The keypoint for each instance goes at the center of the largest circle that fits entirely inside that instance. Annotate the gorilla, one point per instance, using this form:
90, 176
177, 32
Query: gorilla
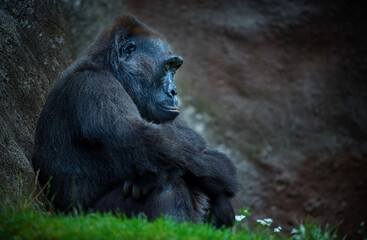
110, 137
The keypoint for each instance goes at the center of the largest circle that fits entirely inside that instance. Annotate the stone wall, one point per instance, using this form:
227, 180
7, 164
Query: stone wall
33, 52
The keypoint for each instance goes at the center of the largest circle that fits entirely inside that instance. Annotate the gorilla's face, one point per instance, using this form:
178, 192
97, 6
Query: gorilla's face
148, 68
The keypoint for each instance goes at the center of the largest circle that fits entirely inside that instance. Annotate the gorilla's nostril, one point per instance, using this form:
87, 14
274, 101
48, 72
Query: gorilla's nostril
173, 92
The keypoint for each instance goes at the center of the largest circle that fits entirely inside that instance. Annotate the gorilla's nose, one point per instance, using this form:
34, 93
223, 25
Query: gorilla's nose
172, 91
174, 62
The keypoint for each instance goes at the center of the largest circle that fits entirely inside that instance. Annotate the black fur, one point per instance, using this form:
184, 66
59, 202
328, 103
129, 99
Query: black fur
103, 124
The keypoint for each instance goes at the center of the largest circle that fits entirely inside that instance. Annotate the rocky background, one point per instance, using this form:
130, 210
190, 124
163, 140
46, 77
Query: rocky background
33, 52
277, 85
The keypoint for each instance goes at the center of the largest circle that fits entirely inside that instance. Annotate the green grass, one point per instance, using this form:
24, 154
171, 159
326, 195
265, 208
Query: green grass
28, 223
31, 224
311, 230
28, 218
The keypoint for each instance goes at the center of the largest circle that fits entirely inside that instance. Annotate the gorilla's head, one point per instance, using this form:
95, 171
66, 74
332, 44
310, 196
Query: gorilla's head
143, 62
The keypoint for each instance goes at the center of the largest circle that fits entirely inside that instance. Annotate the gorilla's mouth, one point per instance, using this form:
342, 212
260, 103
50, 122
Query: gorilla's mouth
171, 109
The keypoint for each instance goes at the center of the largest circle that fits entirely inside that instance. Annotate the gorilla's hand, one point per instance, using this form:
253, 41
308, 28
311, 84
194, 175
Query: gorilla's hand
136, 191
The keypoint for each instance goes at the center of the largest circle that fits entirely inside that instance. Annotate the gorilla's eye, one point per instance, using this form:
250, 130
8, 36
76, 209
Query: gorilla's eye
174, 70
129, 48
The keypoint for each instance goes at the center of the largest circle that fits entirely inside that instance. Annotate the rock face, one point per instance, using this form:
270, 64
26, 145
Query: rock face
34, 51
281, 87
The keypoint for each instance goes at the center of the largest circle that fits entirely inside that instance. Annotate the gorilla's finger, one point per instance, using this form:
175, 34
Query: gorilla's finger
127, 188
136, 192
146, 190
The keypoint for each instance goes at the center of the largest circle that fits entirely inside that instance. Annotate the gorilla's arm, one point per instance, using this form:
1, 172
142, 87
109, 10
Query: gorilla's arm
219, 183
142, 152
220, 175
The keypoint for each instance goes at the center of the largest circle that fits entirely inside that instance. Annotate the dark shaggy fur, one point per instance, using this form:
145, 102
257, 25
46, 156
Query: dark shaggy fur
101, 126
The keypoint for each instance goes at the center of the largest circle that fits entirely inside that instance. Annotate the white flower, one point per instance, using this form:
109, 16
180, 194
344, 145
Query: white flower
239, 218
294, 231
277, 229
266, 222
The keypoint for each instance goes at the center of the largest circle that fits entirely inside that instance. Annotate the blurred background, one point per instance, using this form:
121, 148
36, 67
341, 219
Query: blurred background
279, 86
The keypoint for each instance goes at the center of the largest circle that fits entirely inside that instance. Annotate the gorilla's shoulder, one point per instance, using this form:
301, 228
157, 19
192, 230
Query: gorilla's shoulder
84, 72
